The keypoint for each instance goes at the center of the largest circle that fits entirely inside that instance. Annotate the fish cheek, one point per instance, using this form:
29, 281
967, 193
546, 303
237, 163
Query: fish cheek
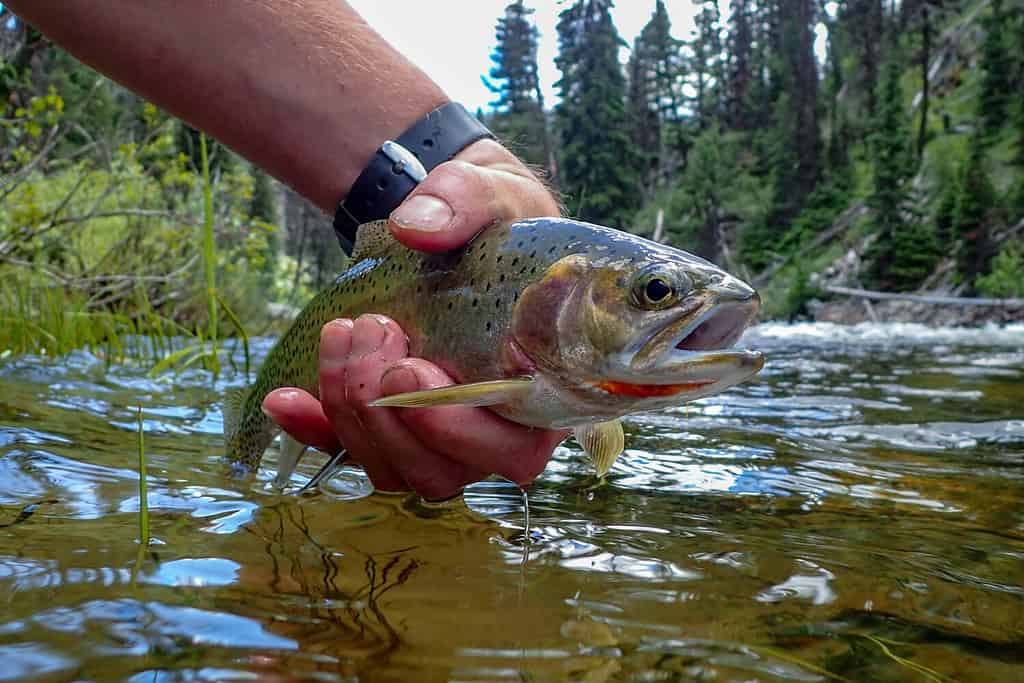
543, 308
608, 321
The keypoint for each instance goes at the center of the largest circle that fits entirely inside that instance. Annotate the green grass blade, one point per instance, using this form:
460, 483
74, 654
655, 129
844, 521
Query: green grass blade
237, 324
208, 251
143, 492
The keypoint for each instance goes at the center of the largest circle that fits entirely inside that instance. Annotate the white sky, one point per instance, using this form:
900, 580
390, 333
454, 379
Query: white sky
452, 40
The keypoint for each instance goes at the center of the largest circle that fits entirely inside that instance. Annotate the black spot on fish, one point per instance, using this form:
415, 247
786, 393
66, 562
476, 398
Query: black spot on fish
498, 260
488, 325
474, 302
497, 303
515, 261
450, 304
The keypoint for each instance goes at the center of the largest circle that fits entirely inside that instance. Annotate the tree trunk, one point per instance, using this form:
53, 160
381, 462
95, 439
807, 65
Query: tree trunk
926, 52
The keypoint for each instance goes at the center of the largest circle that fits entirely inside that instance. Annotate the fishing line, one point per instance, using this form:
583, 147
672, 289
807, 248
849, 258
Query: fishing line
329, 469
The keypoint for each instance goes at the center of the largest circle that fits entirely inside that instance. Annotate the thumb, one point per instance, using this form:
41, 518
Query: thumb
453, 203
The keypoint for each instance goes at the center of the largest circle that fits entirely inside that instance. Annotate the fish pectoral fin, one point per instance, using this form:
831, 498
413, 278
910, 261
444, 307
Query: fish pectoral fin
476, 394
291, 452
234, 400
603, 442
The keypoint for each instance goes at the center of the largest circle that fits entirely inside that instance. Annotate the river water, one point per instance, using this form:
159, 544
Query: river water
856, 513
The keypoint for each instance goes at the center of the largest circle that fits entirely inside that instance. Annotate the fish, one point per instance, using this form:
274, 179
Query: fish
549, 322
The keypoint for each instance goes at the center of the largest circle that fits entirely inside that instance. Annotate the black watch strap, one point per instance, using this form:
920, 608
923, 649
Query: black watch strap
398, 166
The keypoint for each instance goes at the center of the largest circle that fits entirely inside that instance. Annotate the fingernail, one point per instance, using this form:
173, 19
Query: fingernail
332, 349
423, 212
399, 378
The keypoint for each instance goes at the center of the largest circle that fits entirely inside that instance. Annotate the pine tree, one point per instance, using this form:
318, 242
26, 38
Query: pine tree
655, 99
707, 64
738, 83
797, 148
598, 165
904, 251
975, 216
518, 115
997, 70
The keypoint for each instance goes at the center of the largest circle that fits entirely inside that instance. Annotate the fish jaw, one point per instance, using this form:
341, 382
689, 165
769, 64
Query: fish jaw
690, 357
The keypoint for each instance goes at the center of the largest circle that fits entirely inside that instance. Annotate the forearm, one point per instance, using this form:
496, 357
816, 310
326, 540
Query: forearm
303, 88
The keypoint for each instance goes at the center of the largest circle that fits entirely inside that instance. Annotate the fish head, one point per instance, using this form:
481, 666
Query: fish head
643, 327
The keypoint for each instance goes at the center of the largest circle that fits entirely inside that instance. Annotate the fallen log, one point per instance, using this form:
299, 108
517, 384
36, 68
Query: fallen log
925, 298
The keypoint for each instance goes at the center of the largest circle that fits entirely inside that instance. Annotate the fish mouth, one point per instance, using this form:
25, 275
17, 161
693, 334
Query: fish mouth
716, 328
691, 356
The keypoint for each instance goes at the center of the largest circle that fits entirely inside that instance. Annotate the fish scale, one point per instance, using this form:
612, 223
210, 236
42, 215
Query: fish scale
460, 309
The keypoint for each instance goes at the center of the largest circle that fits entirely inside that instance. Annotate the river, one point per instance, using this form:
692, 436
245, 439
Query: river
855, 513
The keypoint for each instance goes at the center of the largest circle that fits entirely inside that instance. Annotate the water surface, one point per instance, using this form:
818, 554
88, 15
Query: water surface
856, 513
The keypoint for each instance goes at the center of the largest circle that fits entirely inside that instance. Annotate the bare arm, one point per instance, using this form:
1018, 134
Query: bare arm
302, 88
307, 90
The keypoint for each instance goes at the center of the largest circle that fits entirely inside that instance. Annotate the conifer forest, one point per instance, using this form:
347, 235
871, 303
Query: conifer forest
891, 161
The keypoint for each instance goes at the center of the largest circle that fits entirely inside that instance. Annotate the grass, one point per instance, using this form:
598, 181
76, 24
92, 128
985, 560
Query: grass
143, 491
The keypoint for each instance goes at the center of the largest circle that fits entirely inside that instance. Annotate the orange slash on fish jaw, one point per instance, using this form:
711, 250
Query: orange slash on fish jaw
650, 390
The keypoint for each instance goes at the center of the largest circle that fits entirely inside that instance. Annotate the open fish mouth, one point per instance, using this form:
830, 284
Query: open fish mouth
693, 353
717, 328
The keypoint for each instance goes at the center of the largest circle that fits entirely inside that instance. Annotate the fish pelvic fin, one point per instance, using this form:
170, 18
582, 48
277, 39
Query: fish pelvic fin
603, 442
476, 394
234, 403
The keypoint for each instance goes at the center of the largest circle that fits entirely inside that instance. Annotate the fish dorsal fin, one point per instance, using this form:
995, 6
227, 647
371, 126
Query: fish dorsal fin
476, 394
291, 453
603, 442
234, 401
372, 239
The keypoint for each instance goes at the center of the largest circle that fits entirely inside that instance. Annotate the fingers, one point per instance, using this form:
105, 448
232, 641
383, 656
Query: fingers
392, 456
483, 184
475, 437
349, 354
433, 451
300, 414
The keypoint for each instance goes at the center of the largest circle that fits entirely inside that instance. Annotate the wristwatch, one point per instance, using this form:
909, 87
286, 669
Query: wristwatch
399, 165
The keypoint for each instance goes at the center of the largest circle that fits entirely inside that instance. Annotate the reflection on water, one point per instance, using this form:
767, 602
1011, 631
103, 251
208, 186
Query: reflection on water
855, 514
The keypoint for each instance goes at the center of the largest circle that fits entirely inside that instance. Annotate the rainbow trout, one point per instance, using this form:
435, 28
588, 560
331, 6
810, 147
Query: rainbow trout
549, 322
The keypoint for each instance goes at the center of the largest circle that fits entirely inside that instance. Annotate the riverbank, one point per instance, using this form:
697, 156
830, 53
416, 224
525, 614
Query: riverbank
855, 310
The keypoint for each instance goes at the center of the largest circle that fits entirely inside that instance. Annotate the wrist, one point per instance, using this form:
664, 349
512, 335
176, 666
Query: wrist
398, 165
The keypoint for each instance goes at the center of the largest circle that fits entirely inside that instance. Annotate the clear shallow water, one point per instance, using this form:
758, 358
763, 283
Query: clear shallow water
856, 513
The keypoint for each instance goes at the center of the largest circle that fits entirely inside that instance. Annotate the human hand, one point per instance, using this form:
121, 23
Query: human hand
433, 451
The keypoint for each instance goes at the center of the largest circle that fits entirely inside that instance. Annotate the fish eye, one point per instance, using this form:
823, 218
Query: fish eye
657, 288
